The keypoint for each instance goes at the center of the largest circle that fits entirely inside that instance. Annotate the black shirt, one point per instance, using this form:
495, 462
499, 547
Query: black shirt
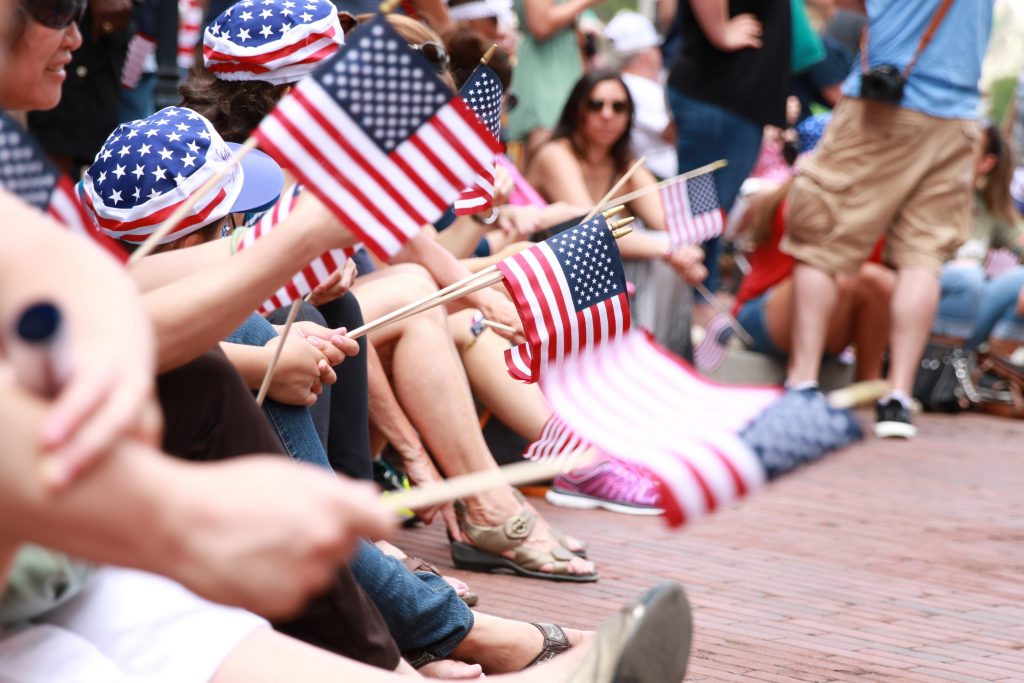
751, 83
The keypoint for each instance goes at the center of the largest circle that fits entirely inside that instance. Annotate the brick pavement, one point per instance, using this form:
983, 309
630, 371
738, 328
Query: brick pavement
887, 562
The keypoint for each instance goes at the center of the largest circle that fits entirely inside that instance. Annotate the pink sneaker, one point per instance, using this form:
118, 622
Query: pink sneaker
612, 485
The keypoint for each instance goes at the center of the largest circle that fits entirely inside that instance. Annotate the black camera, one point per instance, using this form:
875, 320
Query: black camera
883, 83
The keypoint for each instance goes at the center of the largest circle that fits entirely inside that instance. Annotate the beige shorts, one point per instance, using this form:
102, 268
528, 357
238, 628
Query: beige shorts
883, 170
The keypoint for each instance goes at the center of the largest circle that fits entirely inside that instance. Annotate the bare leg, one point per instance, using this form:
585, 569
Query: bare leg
873, 298
815, 296
435, 394
266, 656
914, 303
522, 407
503, 645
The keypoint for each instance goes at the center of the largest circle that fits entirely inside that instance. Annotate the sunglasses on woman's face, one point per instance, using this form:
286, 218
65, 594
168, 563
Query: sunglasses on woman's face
431, 51
55, 14
618, 106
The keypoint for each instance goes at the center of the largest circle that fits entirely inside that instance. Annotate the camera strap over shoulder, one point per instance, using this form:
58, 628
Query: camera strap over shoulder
926, 37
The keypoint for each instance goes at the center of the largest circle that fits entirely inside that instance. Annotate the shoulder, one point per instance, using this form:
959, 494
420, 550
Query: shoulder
555, 155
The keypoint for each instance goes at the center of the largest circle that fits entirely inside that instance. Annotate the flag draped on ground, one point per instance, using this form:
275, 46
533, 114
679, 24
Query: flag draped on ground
25, 172
707, 444
571, 295
379, 138
692, 211
482, 92
310, 277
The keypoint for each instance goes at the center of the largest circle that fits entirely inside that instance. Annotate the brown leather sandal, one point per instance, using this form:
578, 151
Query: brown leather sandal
485, 554
555, 643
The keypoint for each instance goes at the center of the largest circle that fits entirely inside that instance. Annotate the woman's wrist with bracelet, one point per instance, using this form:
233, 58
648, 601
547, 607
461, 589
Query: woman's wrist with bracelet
491, 219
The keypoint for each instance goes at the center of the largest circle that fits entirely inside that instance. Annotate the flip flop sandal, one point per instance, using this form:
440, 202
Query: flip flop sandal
418, 564
555, 643
648, 642
485, 555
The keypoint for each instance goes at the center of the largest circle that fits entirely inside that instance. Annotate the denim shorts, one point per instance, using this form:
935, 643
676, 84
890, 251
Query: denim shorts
753, 318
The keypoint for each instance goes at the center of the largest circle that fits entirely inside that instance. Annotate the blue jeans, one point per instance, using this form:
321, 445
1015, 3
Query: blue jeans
705, 133
752, 318
293, 424
423, 613
421, 610
974, 308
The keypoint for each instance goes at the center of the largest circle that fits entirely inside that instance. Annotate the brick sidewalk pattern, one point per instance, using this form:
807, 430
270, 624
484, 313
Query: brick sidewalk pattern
891, 561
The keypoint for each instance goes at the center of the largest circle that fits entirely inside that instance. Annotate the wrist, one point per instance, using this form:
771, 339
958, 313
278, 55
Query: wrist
489, 219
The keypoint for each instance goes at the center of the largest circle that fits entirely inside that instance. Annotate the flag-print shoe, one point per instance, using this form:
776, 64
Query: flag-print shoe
610, 485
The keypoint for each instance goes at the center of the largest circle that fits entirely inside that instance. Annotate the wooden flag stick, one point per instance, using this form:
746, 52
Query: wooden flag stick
858, 394
519, 473
151, 243
487, 55
498, 326
604, 201
269, 374
626, 198
714, 302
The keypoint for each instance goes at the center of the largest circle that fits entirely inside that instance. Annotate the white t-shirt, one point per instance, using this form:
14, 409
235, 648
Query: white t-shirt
649, 121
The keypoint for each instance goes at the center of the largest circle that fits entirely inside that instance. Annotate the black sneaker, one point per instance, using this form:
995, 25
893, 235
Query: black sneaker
893, 421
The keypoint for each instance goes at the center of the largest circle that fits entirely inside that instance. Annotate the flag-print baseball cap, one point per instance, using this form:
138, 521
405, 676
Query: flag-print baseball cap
147, 168
276, 41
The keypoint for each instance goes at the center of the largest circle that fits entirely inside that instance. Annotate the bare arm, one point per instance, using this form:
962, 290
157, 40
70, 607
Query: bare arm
557, 174
725, 33
232, 286
544, 18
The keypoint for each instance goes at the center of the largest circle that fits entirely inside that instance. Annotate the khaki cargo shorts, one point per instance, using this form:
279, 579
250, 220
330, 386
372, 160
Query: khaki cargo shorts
883, 170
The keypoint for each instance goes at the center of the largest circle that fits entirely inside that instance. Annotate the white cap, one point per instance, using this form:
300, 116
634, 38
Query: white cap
631, 32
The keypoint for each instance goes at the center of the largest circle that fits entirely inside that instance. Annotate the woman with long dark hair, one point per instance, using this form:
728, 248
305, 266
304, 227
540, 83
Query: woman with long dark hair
588, 152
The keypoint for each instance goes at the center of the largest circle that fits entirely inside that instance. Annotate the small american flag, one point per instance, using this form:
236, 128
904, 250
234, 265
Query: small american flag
379, 138
482, 93
310, 277
278, 41
998, 261
692, 212
571, 295
556, 441
637, 402
25, 172
190, 25
713, 349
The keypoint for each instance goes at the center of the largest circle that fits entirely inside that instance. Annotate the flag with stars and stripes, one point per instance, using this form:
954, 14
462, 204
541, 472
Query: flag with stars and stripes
26, 173
692, 212
570, 292
379, 138
556, 441
277, 41
147, 168
713, 349
483, 94
635, 401
310, 277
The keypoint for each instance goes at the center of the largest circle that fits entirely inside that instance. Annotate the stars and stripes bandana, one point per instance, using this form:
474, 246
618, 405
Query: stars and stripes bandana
379, 138
636, 402
26, 173
147, 168
276, 41
310, 277
692, 212
483, 94
570, 292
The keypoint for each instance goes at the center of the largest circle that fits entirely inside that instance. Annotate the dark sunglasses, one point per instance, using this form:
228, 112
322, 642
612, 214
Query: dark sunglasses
618, 106
431, 51
55, 14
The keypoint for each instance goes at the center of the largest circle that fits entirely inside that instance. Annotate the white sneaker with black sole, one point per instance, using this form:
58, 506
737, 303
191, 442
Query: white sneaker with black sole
893, 420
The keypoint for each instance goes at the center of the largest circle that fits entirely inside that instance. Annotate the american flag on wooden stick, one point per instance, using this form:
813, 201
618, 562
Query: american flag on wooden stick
482, 93
26, 172
556, 441
571, 295
637, 402
379, 138
692, 212
310, 277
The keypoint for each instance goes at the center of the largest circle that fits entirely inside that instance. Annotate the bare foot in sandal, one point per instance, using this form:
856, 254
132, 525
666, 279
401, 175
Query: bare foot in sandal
451, 670
504, 645
504, 534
